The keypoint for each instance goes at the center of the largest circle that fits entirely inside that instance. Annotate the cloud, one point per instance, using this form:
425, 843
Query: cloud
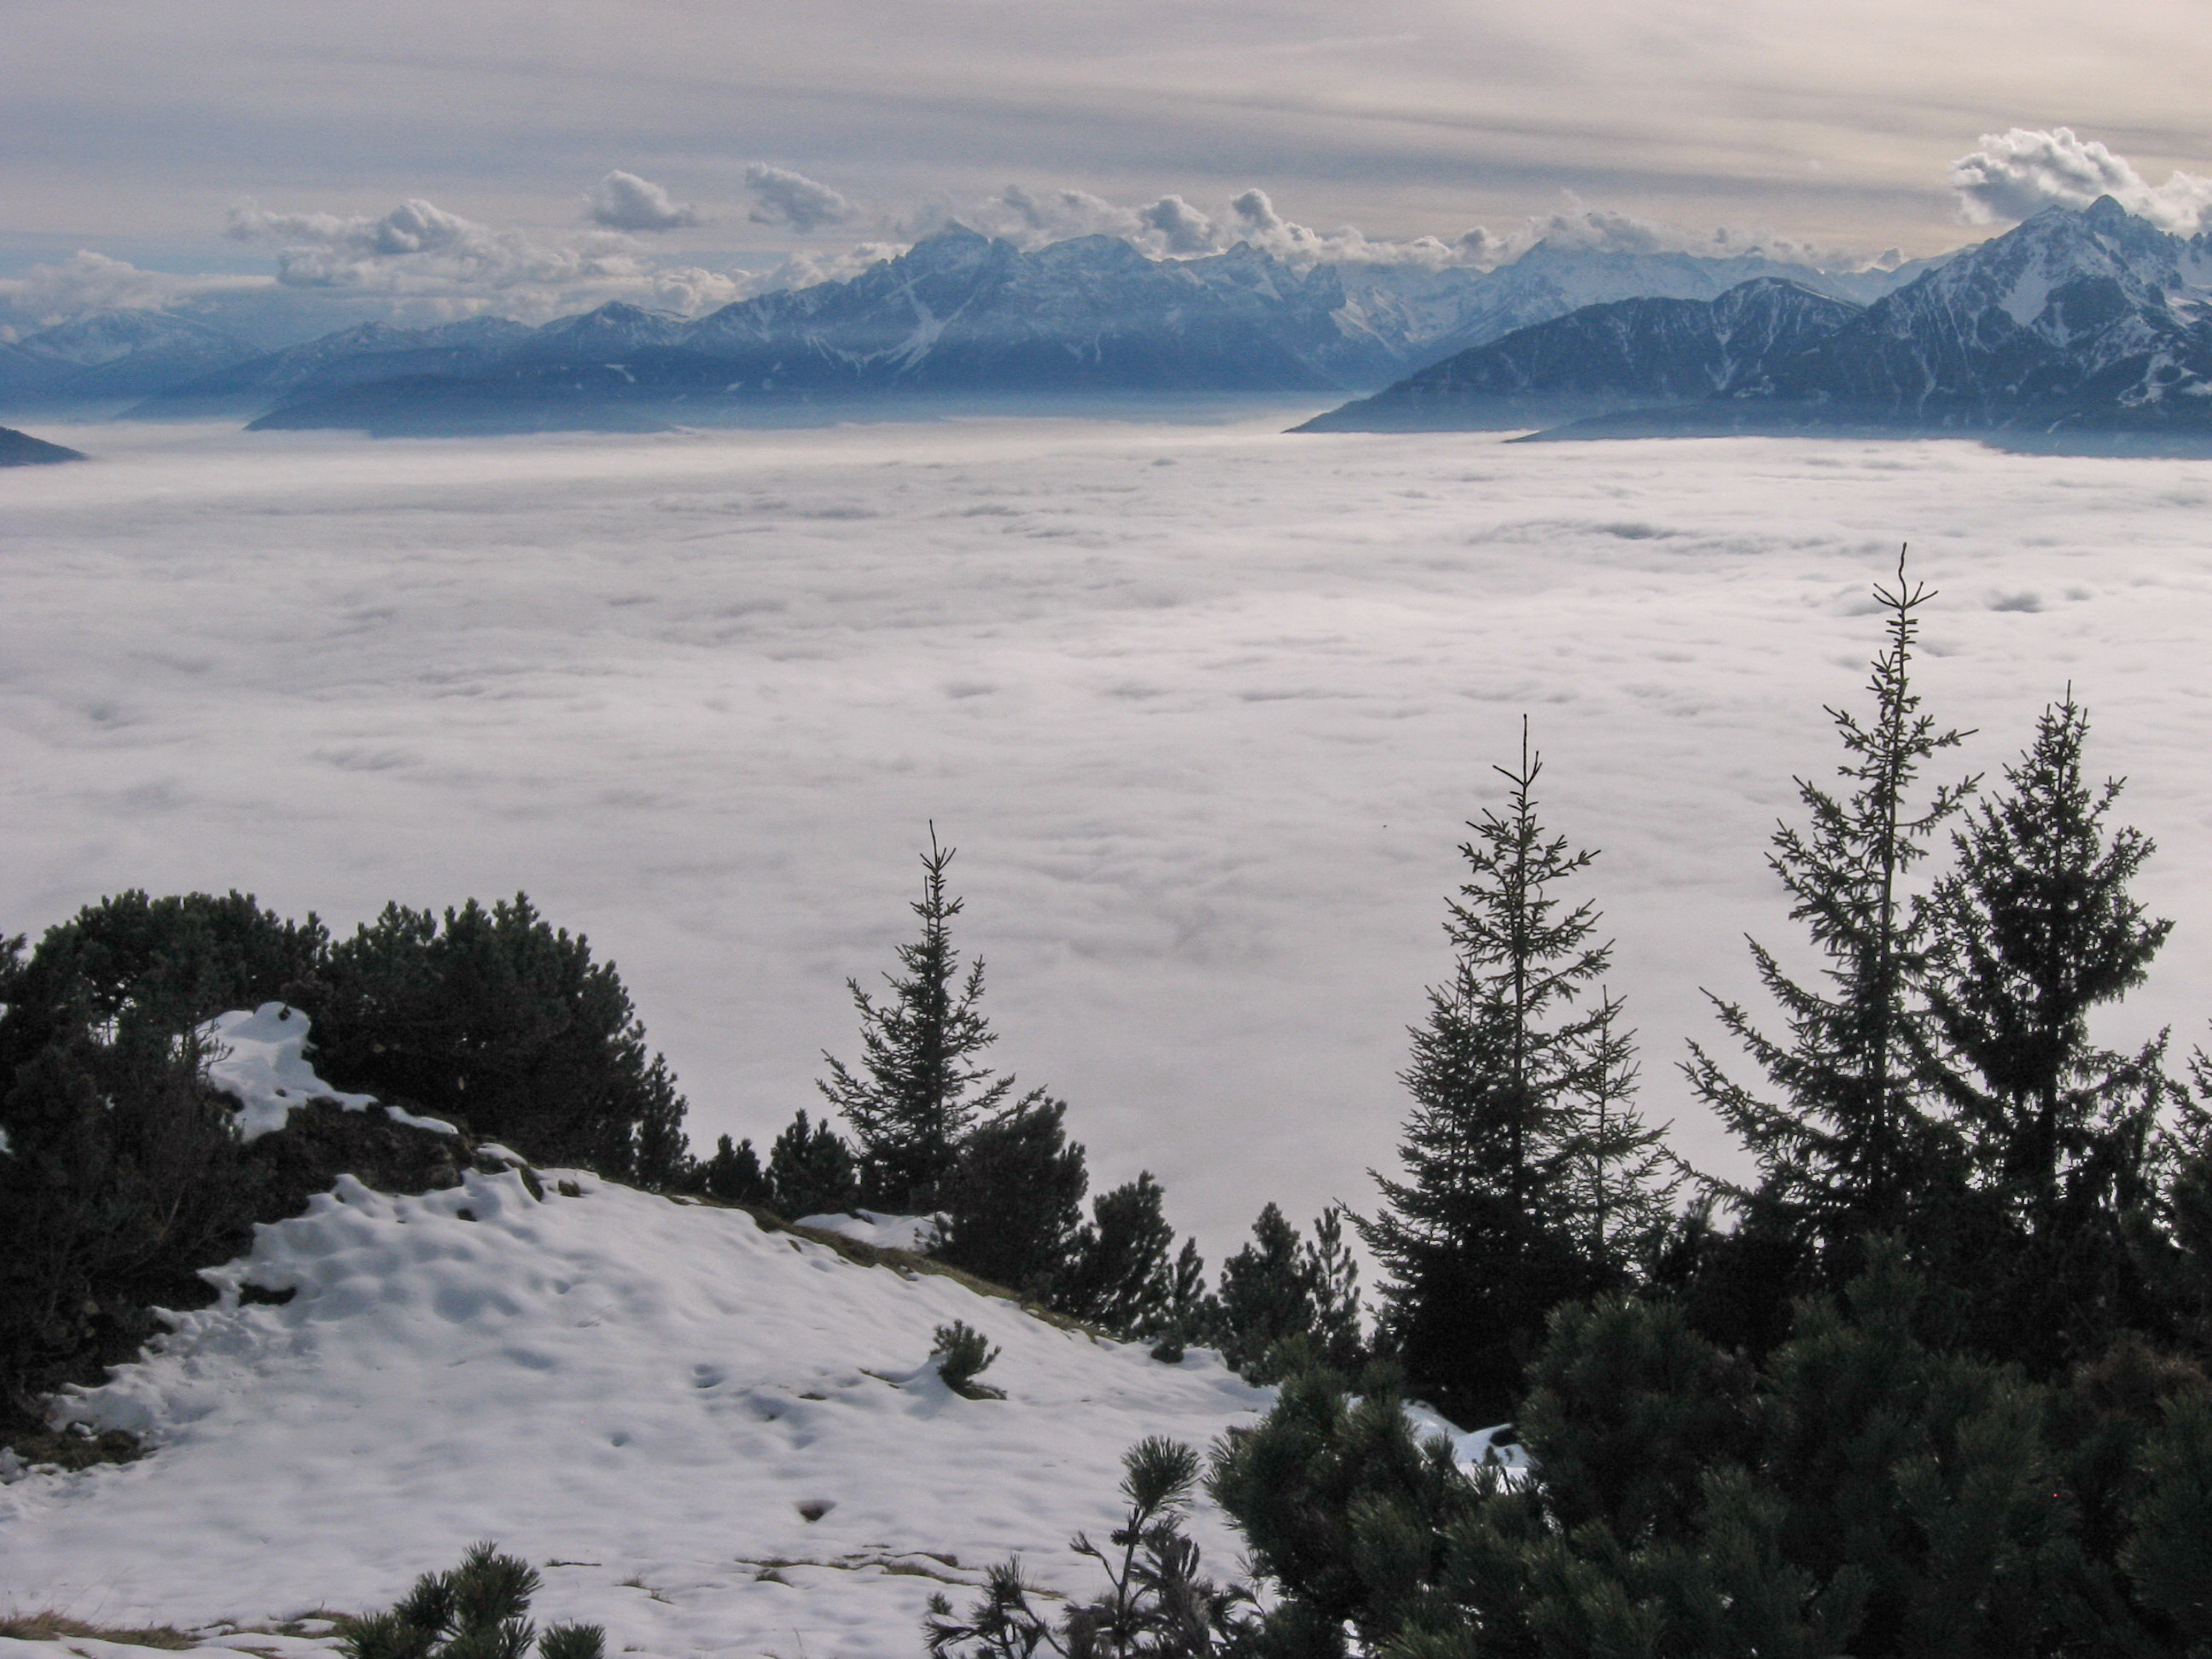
421, 251
1033, 217
1181, 228
622, 201
2018, 173
87, 282
794, 200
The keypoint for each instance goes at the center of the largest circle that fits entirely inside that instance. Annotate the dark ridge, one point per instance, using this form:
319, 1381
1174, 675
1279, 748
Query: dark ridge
21, 449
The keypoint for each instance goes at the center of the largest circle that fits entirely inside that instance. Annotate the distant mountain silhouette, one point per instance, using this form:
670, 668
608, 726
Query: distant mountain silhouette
1623, 356
21, 449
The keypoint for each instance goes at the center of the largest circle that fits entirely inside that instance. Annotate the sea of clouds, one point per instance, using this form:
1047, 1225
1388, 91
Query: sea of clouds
1203, 708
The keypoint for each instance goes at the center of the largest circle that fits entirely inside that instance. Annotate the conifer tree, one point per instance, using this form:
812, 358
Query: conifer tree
733, 1174
1849, 1148
1013, 1201
918, 1088
809, 1171
1279, 1287
1485, 1233
2032, 928
1123, 1276
1625, 1182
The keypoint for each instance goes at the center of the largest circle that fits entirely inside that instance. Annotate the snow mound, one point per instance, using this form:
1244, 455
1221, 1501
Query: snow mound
260, 1058
917, 1233
708, 1437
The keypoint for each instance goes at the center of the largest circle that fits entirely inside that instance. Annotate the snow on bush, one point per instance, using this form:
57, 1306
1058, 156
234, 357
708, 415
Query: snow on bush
260, 1059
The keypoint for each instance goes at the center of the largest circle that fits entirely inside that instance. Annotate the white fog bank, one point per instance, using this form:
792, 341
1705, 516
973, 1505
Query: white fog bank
1203, 708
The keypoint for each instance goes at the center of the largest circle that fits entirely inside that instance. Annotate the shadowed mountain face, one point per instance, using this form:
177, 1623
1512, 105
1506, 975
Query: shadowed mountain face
2092, 321
1623, 356
21, 449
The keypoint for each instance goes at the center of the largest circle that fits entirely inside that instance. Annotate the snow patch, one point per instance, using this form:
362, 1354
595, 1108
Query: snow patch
919, 1233
260, 1059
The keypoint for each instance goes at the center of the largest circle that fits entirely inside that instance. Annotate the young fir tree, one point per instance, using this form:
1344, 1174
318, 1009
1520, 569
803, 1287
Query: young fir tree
918, 1088
2032, 928
1624, 1181
1487, 1231
733, 1174
1850, 1149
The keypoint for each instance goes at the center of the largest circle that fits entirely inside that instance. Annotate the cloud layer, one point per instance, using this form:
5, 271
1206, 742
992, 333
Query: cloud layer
1203, 709
2016, 174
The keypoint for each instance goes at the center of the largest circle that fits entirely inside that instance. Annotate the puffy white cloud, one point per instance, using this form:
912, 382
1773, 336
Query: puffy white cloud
1181, 228
2017, 174
794, 200
622, 201
86, 283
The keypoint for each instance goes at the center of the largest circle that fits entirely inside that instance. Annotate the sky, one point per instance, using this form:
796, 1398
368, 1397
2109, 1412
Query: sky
681, 151
1205, 710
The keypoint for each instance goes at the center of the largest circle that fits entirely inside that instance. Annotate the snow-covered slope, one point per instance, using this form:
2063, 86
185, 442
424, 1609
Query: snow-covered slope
646, 1398
2091, 317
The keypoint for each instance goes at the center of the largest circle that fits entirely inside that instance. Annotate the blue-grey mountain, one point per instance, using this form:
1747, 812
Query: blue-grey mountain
2077, 327
1628, 355
21, 449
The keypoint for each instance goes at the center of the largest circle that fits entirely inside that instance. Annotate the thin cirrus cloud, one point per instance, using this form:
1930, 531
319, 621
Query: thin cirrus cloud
1830, 121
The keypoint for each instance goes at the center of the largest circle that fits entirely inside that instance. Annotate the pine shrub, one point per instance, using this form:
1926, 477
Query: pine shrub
963, 1353
495, 1019
475, 1611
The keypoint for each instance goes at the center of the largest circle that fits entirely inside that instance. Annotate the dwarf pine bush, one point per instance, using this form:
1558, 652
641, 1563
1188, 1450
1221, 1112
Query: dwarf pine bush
475, 1611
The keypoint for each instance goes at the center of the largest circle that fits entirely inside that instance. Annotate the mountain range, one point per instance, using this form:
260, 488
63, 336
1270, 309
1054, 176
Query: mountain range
958, 315
2077, 325
2075, 322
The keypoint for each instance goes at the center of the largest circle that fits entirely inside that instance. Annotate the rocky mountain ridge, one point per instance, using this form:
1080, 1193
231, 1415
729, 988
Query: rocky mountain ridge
2075, 323
958, 314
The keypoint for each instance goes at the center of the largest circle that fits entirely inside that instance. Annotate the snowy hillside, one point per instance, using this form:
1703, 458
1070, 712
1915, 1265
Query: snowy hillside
710, 1436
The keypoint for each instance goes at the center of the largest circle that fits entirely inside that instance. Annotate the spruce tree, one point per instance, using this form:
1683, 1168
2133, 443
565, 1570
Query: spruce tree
1850, 1148
1485, 1233
1624, 1181
917, 1088
2032, 928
